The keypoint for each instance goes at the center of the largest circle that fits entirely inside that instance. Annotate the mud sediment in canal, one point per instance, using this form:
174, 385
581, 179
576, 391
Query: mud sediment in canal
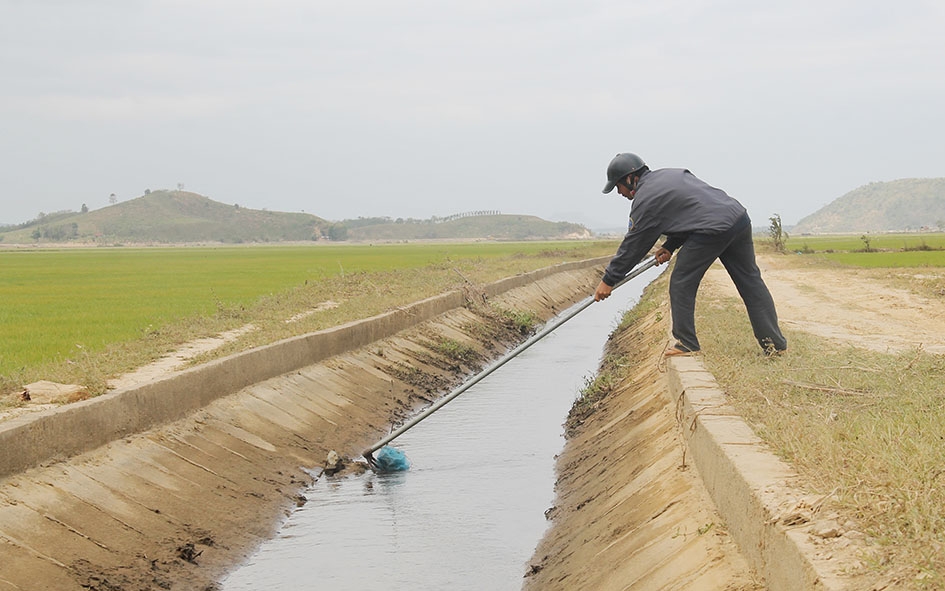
179, 505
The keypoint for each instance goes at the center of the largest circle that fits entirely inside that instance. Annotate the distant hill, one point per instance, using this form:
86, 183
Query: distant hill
495, 227
169, 217
179, 217
902, 205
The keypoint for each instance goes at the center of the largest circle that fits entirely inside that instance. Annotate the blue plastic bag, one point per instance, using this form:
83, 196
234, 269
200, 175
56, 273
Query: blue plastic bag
391, 459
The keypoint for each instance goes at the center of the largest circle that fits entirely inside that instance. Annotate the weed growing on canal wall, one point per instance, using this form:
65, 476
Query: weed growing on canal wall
595, 389
501, 326
614, 368
456, 351
521, 321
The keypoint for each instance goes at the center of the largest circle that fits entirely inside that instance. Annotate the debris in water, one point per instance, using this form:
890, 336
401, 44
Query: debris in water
333, 463
390, 459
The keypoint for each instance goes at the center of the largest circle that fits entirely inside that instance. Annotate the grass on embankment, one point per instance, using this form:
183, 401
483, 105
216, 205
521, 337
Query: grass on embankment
863, 427
83, 316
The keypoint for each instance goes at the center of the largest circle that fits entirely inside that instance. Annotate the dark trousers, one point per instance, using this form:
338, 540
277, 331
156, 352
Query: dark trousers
735, 249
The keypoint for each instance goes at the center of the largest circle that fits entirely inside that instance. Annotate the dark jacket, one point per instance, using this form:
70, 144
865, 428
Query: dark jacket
671, 201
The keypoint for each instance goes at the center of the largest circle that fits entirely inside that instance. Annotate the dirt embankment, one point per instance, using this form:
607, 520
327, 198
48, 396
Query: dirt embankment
177, 506
631, 511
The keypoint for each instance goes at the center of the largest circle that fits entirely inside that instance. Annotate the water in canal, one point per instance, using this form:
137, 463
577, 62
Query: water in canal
470, 511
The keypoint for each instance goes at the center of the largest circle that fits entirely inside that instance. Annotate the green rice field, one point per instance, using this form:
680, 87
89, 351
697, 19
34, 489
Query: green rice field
59, 305
891, 260
885, 250
854, 242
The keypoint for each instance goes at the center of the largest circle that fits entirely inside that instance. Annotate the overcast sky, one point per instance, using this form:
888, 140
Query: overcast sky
415, 108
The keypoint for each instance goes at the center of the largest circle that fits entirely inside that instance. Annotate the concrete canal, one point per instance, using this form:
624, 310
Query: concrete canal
470, 512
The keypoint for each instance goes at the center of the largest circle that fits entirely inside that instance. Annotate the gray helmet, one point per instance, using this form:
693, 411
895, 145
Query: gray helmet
620, 167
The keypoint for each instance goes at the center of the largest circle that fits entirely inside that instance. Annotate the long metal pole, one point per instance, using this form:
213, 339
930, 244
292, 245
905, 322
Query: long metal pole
508, 356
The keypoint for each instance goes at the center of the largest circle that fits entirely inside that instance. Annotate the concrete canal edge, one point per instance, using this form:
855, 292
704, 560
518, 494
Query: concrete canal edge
756, 493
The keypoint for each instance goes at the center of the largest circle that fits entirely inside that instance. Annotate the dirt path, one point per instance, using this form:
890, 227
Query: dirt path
853, 307
177, 360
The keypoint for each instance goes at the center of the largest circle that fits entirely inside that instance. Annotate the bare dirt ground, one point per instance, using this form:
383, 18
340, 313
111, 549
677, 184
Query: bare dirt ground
861, 308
